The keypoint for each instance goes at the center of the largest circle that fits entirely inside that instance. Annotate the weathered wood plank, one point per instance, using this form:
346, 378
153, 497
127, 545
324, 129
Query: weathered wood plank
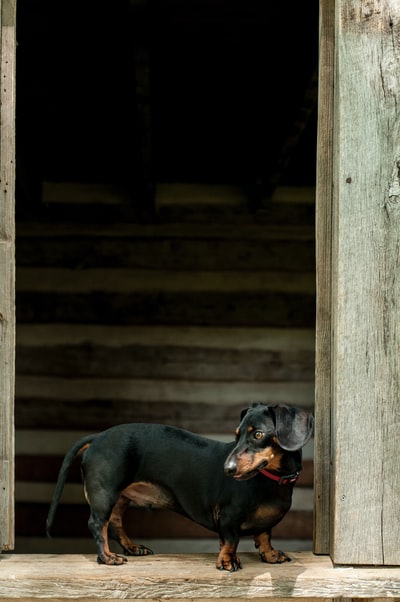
242, 338
366, 301
193, 577
7, 363
155, 252
170, 362
7, 269
251, 231
136, 281
147, 390
323, 280
166, 352
203, 194
169, 194
63, 209
265, 308
98, 413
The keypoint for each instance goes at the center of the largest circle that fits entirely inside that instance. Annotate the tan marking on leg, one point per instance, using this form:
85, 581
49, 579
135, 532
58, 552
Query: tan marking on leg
109, 557
266, 551
129, 546
227, 558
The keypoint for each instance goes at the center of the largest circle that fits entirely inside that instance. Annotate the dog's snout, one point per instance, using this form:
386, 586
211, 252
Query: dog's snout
230, 467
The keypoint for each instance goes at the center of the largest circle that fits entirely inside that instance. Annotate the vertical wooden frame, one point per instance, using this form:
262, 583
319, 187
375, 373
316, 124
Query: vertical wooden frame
7, 270
323, 285
364, 290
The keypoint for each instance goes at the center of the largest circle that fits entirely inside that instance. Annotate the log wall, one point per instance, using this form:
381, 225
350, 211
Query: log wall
183, 317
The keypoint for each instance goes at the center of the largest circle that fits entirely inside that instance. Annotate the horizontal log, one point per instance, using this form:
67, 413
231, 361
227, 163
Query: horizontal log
242, 338
168, 362
71, 520
156, 230
168, 194
288, 310
126, 281
42, 468
291, 206
168, 253
278, 214
273, 213
201, 194
183, 391
98, 414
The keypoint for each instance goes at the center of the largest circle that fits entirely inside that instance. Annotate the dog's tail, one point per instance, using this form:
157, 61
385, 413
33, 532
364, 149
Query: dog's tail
77, 449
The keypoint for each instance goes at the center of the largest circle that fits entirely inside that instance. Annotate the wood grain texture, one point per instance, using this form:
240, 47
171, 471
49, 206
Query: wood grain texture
191, 577
366, 294
265, 308
323, 279
7, 270
173, 248
169, 361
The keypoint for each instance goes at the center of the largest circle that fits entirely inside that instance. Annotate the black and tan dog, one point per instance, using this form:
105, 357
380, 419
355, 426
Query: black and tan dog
235, 489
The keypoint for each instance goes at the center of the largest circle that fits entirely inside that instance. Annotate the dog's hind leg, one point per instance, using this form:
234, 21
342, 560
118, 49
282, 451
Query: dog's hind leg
117, 532
98, 526
101, 505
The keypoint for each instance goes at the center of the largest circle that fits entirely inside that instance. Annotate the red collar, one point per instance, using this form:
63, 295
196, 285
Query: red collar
284, 480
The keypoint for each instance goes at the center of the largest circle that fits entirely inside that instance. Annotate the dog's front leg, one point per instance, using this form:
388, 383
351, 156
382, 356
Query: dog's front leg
228, 560
266, 551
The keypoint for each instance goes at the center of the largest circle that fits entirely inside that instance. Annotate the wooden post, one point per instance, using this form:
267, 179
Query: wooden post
365, 485
323, 283
7, 288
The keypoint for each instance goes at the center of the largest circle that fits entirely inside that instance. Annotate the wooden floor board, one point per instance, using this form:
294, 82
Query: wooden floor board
190, 577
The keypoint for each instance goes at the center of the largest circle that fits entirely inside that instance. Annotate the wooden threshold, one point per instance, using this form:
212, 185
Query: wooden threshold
188, 577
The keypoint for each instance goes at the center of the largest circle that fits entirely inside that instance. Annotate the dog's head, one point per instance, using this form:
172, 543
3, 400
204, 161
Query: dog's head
263, 436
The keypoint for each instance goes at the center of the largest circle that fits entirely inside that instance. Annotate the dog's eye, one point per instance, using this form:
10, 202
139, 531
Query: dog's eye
258, 435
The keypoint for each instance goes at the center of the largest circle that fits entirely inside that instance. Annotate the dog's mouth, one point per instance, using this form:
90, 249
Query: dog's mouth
245, 476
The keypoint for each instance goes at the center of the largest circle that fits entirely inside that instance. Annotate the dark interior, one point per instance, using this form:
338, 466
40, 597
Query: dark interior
146, 91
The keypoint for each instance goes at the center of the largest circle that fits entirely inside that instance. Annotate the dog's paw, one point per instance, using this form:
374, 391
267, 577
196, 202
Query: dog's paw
111, 559
138, 550
274, 557
228, 562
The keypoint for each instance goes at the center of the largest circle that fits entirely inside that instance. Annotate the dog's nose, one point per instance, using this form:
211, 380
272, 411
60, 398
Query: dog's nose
230, 467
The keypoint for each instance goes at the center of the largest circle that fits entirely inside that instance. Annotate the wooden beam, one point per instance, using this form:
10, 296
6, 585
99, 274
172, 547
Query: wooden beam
366, 285
190, 577
323, 280
7, 270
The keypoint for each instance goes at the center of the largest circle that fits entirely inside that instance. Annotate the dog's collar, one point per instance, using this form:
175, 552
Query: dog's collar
284, 480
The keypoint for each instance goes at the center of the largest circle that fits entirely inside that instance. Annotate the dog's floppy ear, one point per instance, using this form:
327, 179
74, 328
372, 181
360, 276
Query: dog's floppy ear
294, 427
253, 405
243, 413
